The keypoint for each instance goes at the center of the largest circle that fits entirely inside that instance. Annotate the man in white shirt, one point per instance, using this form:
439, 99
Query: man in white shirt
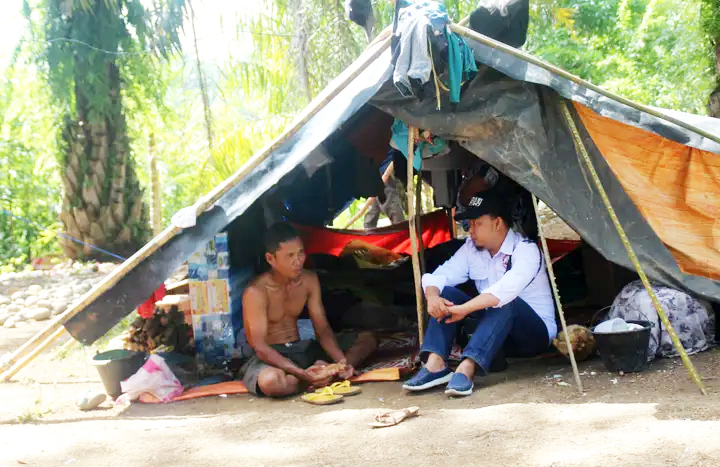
514, 309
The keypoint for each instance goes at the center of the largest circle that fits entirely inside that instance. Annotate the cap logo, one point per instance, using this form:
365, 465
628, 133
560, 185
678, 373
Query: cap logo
475, 202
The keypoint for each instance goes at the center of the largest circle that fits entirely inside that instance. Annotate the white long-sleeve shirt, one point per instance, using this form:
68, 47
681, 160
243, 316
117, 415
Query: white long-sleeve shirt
526, 278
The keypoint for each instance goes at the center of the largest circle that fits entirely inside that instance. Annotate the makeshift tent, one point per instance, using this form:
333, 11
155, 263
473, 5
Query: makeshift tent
661, 174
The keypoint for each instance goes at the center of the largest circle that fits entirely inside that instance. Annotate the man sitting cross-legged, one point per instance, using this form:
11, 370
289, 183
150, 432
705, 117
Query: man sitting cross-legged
514, 310
283, 364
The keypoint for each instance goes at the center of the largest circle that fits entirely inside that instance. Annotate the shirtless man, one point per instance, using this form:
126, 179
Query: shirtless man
283, 364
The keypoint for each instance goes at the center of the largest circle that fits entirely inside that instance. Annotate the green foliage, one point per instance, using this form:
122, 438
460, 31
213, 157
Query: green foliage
29, 182
283, 53
651, 51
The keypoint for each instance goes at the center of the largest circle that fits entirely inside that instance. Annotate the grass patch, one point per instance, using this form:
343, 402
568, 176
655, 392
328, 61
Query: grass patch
36, 411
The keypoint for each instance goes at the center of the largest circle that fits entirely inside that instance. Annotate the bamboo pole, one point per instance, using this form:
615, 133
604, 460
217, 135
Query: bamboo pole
556, 295
412, 220
418, 221
385, 177
333, 89
583, 154
20, 364
469, 33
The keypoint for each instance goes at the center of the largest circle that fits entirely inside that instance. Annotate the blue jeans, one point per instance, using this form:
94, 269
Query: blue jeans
514, 328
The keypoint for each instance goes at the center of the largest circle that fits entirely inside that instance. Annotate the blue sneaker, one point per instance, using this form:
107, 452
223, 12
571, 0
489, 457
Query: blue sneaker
459, 385
425, 379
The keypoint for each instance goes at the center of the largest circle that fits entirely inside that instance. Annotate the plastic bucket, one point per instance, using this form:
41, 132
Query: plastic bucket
625, 351
114, 366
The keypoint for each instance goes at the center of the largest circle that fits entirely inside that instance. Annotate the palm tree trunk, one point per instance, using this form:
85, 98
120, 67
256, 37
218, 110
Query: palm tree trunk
155, 192
102, 198
301, 39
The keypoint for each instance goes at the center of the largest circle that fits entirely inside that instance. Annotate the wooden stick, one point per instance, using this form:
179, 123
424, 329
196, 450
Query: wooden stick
32, 354
463, 31
418, 221
337, 86
583, 155
412, 220
370, 200
556, 295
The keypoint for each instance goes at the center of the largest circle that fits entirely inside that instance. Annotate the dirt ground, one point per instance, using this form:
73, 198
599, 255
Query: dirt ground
519, 417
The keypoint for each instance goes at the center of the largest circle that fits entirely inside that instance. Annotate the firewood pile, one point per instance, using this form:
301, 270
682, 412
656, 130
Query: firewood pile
165, 331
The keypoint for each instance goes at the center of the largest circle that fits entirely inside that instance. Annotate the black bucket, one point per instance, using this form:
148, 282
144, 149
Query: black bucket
625, 351
115, 366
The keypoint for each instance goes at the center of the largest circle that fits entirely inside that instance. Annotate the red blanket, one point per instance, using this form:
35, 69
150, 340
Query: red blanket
435, 230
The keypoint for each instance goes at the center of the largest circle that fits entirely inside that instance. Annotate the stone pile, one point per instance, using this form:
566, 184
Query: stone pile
30, 296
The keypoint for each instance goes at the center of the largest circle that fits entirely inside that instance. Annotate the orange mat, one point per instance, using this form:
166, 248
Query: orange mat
238, 387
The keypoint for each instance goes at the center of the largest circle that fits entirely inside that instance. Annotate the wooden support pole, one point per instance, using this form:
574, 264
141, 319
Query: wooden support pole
51, 330
556, 295
12, 371
584, 156
412, 221
418, 220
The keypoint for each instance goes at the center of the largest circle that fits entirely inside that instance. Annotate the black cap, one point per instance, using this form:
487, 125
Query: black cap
488, 202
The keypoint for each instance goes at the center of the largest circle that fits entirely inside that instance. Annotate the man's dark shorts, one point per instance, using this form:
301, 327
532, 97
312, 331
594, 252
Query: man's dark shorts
303, 353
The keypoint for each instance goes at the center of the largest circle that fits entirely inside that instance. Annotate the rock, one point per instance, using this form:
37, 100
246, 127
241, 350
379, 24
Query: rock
34, 289
64, 292
23, 314
31, 301
45, 304
59, 306
4, 318
18, 295
9, 323
5, 300
43, 295
20, 324
13, 308
39, 314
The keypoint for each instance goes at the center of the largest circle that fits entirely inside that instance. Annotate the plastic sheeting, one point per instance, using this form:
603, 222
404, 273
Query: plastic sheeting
508, 115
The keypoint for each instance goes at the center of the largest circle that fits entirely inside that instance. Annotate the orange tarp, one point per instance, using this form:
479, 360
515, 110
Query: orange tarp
238, 387
675, 187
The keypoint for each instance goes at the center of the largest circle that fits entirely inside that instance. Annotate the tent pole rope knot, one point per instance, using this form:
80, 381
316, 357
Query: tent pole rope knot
582, 151
556, 295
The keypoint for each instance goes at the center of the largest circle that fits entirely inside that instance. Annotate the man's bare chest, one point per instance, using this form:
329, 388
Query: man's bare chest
286, 303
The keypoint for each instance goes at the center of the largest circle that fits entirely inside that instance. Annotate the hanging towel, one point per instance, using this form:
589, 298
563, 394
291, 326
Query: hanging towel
461, 64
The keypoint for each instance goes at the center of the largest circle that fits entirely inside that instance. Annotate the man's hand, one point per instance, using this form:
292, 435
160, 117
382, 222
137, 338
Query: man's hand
318, 376
347, 373
438, 307
457, 313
